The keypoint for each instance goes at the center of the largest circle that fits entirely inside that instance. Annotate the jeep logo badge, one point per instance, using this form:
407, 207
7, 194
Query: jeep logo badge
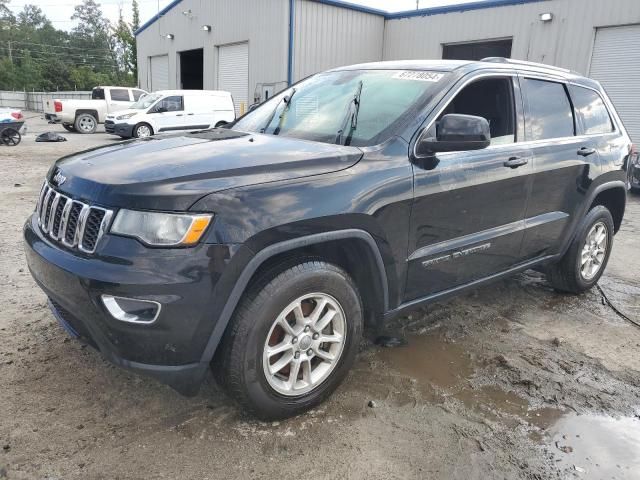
59, 178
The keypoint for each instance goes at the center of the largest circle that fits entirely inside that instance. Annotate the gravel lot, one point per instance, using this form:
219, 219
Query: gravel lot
509, 381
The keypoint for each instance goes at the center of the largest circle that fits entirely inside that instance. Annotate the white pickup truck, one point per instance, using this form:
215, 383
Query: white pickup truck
83, 116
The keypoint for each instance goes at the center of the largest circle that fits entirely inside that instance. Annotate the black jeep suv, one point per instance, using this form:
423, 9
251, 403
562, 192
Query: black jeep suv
355, 195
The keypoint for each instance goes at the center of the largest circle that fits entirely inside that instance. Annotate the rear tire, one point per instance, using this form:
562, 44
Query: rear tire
584, 263
311, 369
86, 123
68, 127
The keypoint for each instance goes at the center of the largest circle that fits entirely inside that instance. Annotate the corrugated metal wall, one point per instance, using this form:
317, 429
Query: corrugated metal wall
262, 23
328, 37
566, 41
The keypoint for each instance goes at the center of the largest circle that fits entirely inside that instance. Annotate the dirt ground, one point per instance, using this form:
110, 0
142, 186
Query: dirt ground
509, 381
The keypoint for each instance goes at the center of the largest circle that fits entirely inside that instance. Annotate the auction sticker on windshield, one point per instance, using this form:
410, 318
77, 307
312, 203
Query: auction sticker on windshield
422, 76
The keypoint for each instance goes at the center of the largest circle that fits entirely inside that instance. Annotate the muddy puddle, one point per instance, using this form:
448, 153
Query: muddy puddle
588, 446
444, 369
598, 446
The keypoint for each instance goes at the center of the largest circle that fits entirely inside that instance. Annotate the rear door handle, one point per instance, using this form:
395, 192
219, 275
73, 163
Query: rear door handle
515, 162
190, 114
179, 115
585, 151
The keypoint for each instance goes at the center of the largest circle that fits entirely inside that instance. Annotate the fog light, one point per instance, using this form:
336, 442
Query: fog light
131, 310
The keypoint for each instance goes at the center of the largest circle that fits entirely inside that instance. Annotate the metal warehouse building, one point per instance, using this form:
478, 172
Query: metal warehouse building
254, 48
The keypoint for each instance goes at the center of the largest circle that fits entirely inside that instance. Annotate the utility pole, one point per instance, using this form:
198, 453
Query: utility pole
10, 53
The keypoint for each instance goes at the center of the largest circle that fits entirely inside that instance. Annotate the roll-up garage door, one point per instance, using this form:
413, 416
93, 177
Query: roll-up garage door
616, 65
233, 73
159, 73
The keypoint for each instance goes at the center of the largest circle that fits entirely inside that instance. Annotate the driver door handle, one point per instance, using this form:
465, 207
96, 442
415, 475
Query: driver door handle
585, 151
515, 162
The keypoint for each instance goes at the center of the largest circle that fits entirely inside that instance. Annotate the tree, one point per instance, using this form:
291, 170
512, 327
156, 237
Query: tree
135, 25
36, 55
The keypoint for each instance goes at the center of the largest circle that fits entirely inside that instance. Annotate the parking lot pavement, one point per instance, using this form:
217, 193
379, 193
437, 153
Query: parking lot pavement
509, 381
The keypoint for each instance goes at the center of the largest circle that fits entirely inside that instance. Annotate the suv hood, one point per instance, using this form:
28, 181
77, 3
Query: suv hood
172, 173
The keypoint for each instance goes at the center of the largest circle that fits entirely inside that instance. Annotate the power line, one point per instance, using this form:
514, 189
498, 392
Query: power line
60, 46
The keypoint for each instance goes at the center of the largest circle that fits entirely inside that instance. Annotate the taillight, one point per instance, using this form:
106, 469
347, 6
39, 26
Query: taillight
17, 115
57, 105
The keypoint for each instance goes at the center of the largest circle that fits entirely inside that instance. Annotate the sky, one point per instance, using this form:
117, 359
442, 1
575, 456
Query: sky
60, 11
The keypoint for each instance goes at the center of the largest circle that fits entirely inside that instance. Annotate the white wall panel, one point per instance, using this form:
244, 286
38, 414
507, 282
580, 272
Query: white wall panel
566, 41
261, 23
327, 36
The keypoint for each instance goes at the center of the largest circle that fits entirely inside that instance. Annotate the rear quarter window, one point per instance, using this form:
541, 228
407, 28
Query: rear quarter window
97, 94
548, 113
591, 111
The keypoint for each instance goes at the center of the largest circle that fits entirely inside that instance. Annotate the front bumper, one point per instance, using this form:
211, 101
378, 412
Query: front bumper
182, 280
122, 129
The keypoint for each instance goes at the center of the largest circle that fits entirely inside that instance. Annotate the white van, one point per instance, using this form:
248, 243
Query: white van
172, 110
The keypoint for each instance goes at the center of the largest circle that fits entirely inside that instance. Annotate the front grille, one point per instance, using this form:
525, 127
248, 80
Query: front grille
75, 224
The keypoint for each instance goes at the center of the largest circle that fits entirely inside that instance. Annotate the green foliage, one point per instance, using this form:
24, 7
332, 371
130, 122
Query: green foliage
34, 55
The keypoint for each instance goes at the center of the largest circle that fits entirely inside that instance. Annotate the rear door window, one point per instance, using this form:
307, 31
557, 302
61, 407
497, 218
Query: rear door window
120, 95
548, 111
591, 111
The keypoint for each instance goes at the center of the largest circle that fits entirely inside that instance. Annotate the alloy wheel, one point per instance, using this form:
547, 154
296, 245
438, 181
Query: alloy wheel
304, 344
594, 251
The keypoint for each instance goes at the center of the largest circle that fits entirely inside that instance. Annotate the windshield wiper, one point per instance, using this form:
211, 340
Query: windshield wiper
287, 101
353, 117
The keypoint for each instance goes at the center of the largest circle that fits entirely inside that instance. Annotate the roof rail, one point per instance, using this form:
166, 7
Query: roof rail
522, 62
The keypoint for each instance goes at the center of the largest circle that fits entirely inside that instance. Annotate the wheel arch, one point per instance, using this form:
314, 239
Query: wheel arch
613, 196
355, 244
93, 113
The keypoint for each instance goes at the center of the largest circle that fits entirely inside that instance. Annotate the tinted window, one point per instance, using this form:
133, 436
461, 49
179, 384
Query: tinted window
549, 113
591, 111
172, 104
137, 94
120, 95
97, 94
491, 99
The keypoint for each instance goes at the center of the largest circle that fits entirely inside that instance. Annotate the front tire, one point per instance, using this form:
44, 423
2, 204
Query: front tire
584, 263
292, 340
142, 130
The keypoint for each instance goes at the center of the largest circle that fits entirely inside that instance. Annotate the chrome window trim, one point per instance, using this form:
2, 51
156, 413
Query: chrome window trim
528, 143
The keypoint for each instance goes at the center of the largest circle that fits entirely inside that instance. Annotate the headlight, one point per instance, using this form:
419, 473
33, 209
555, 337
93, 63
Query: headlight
161, 229
126, 116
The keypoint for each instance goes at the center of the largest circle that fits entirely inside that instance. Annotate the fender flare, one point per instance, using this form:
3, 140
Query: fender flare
610, 185
276, 249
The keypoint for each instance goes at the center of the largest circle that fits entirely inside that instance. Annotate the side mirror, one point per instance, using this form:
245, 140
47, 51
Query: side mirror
456, 133
161, 110
253, 106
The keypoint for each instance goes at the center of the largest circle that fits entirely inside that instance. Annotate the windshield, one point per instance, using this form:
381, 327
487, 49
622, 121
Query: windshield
145, 101
375, 102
